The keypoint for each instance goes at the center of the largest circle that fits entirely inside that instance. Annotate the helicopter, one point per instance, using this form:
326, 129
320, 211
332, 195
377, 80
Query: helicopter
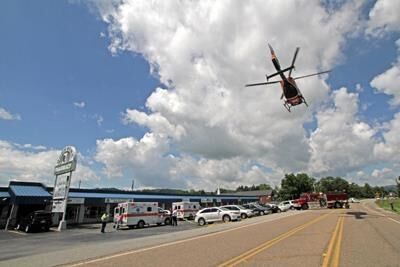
291, 92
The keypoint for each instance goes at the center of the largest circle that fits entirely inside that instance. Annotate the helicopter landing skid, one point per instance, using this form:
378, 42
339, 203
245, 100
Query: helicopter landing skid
287, 106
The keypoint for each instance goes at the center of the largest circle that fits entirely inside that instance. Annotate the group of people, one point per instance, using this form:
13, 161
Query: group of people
104, 219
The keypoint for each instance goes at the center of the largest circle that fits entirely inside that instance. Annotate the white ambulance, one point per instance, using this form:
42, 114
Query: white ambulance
186, 209
139, 214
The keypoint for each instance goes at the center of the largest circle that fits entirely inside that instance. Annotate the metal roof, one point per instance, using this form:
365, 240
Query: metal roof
29, 191
250, 193
142, 196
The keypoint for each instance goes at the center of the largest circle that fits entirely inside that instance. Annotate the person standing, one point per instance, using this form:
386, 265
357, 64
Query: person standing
175, 218
104, 220
391, 201
118, 223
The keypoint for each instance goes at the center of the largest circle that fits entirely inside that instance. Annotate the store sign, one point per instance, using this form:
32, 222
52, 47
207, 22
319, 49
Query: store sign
118, 200
58, 206
206, 200
66, 161
76, 200
61, 186
66, 164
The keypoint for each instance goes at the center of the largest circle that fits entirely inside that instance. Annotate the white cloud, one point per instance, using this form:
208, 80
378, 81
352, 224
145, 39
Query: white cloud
6, 115
341, 143
389, 148
218, 131
79, 104
30, 146
384, 17
99, 119
388, 82
18, 164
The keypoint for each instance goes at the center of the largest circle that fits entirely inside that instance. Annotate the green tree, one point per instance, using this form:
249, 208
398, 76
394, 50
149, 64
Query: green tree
264, 187
355, 191
367, 191
398, 186
293, 185
331, 184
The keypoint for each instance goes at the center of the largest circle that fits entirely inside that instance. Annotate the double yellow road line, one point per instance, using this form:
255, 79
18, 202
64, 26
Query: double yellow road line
252, 252
332, 256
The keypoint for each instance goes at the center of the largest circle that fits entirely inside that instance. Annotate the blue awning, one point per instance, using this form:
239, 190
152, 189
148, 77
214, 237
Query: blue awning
4, 195
29, 191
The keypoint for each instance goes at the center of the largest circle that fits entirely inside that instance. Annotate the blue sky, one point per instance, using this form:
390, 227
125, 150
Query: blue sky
144, 93
55, 57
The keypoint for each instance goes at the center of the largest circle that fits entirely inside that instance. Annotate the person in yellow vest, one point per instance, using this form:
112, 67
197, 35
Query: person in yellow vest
104, 220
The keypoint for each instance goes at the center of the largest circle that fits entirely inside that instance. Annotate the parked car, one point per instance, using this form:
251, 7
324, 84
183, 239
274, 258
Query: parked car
284, 206
163, 211
271, 207
288, 202
215, 214
166, 214
354, 200
244, 213
257, 209
34, 221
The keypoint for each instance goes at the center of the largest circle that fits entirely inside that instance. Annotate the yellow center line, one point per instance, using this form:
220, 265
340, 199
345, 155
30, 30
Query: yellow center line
332, 256
252, 252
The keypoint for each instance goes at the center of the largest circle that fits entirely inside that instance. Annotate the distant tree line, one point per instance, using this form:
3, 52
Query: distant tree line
292, 185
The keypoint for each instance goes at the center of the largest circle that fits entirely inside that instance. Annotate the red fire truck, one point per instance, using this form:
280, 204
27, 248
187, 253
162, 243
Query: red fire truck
319, 200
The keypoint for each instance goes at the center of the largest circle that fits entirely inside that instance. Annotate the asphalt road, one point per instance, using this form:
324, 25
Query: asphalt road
361, 236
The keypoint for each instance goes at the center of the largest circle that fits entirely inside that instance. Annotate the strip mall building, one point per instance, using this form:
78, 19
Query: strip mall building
86, 205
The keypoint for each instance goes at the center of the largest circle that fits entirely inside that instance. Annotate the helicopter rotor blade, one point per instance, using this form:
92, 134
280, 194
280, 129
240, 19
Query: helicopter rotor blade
294, 60
256, 84
309, 75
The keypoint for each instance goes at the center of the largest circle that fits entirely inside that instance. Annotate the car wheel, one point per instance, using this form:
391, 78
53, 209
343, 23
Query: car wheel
243, 216
201, 222
167, 221
304, 206
140, 224
226, 218
27, 229
262, 213
278, 211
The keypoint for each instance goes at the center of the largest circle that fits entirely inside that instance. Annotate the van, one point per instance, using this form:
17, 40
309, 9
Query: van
139, 214
186, 209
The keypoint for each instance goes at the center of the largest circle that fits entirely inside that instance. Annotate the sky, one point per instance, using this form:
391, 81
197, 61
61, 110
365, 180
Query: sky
153, 91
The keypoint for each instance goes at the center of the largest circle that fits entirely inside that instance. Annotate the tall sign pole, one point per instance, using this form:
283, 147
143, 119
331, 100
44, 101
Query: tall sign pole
66, 164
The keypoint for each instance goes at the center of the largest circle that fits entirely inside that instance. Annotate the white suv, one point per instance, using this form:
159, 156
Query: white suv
288, 202
244, 213
215, 214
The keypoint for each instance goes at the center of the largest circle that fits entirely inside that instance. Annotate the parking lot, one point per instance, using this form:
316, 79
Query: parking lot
49, 248
19, 244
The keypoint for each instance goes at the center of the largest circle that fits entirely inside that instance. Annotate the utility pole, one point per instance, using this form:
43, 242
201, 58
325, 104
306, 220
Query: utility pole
79, 186
133, 184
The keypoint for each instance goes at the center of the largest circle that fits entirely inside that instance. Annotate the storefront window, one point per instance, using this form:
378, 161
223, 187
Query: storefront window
93, 212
